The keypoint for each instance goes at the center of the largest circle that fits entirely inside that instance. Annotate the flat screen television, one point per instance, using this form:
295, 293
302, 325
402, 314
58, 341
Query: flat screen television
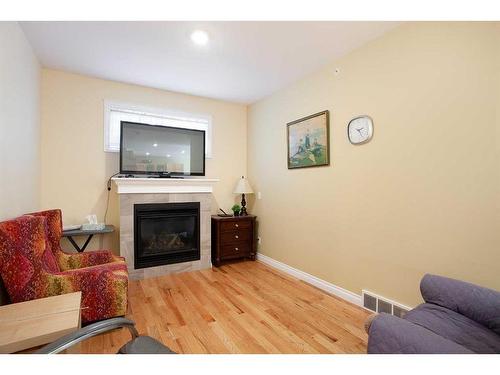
161, 150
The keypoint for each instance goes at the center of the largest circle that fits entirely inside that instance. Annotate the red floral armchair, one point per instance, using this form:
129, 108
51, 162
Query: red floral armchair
32, 265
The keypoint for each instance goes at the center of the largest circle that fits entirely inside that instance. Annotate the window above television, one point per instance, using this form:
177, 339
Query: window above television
115, 112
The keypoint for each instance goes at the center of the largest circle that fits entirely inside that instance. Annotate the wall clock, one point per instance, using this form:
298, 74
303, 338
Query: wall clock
360, 130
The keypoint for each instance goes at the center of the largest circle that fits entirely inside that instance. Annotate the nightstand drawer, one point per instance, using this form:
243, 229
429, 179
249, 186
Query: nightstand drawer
236, 249
236, 236
229, 226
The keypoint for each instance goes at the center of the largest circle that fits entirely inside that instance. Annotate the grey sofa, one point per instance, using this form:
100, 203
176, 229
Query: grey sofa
456, 318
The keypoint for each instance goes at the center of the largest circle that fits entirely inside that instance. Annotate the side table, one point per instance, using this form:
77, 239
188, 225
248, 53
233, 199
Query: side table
33, 323
69, 234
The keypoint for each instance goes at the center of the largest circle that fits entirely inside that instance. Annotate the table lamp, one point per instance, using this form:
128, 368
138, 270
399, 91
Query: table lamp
243, 187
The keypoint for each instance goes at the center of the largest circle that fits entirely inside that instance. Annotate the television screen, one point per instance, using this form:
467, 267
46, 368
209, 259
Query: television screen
152, 149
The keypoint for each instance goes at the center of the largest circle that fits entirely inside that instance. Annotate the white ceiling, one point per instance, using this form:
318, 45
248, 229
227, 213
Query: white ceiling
243, 62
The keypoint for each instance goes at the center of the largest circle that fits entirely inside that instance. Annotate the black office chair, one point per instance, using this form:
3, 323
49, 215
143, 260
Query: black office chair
138, 344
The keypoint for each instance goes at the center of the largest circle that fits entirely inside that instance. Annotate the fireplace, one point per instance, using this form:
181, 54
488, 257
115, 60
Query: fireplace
166, 233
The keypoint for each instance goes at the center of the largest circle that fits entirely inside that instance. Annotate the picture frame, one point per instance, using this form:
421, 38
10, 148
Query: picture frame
308, 141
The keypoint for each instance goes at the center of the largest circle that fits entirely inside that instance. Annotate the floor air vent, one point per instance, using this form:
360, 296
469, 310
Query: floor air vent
376, 303
369, 302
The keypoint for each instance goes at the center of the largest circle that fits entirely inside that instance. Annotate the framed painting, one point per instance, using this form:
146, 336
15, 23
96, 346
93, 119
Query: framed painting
309, 141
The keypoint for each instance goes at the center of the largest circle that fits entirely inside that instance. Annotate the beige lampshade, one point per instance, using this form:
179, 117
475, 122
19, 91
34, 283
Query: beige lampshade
243, 187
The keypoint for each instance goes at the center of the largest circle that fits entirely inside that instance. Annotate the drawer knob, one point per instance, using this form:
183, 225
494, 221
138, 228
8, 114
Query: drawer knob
236, 249
236, 225
236, 236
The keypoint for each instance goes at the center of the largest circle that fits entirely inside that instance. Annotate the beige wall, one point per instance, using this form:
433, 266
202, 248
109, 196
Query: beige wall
422, 196
19, 123
75, 168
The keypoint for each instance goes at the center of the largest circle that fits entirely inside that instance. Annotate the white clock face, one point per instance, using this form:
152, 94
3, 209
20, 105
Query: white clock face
360, 130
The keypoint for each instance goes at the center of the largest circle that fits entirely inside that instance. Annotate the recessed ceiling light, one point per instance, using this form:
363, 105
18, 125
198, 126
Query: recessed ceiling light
168, 155
155, 144
147, 154
199, 37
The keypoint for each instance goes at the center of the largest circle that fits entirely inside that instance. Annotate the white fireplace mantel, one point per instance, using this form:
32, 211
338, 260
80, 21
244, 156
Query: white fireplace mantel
142, 185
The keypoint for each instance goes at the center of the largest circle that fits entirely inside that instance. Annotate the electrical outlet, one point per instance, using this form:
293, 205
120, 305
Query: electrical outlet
259, 195
259, 241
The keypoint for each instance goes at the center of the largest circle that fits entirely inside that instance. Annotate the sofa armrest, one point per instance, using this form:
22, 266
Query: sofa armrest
392, 335
369, 321
473, 301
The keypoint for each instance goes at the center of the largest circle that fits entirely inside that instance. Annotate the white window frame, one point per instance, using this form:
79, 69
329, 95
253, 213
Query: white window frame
111, 105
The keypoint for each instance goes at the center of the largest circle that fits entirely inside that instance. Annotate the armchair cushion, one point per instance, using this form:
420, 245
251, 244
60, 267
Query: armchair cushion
475, 302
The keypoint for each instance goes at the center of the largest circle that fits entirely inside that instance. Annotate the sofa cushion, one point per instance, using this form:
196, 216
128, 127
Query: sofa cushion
475, 302
455, 327
392, 335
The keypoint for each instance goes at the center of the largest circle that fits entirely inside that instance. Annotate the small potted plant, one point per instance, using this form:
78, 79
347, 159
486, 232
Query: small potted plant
236, 209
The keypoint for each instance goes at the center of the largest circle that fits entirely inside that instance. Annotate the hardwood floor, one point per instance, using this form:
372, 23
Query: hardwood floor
244, 307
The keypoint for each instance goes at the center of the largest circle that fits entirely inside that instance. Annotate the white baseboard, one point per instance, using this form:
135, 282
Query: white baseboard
313, 280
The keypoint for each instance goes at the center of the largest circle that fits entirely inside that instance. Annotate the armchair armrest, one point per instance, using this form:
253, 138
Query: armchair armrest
99, 268
392, 335
83, 279
473, 301
104, 289
69, 261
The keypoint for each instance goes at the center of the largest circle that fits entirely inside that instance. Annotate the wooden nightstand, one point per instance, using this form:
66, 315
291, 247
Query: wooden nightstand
233, 237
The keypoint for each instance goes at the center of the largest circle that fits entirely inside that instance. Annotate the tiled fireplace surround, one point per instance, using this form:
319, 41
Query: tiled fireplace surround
143, 190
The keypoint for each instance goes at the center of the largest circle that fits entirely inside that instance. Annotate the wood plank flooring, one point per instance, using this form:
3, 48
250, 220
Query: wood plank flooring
244, 307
